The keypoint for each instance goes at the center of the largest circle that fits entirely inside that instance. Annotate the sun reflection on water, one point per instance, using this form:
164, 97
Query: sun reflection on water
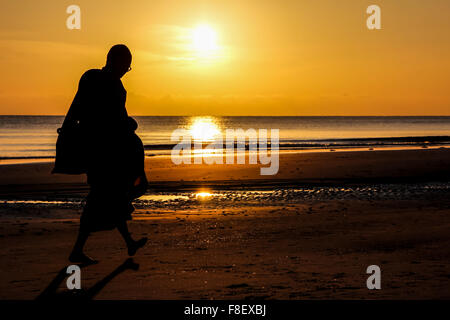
204, 129
203, 195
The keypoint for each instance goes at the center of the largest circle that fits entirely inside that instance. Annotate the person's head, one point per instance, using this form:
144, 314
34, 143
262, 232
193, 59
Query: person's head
118, 60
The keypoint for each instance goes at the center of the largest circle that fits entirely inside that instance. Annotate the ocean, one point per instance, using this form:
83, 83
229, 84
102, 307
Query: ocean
34, 137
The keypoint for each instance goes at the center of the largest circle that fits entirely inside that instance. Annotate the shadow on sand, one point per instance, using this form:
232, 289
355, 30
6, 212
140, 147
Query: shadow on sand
50, 293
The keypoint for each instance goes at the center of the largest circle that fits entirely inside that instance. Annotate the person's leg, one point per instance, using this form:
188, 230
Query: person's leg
123, 229
132, 245
77, 254
81, 241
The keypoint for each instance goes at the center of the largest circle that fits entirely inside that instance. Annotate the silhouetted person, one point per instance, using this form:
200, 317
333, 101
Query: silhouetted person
115, 155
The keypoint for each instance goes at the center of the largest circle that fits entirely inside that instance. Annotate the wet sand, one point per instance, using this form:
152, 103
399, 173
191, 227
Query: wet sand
313, 248
295, 169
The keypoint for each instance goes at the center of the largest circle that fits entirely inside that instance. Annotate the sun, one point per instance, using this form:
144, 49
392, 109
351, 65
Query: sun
204, 40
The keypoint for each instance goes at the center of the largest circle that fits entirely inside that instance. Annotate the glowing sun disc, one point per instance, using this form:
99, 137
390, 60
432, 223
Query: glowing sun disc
204, 40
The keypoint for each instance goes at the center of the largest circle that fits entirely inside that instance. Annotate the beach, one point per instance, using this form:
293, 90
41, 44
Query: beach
226, 232
294, 150
402, 165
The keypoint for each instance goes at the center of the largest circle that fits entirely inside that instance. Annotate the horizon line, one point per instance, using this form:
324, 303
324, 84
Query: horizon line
214, 115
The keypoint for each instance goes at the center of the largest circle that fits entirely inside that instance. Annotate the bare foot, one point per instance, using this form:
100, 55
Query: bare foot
136, 245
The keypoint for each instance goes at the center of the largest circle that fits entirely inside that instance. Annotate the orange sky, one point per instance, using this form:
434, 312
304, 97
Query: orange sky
298, 57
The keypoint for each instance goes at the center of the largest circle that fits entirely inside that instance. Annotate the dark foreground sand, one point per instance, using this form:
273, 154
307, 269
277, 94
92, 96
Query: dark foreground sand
315, 249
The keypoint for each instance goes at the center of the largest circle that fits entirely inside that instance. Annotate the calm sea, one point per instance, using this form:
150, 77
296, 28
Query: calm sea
23, 137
